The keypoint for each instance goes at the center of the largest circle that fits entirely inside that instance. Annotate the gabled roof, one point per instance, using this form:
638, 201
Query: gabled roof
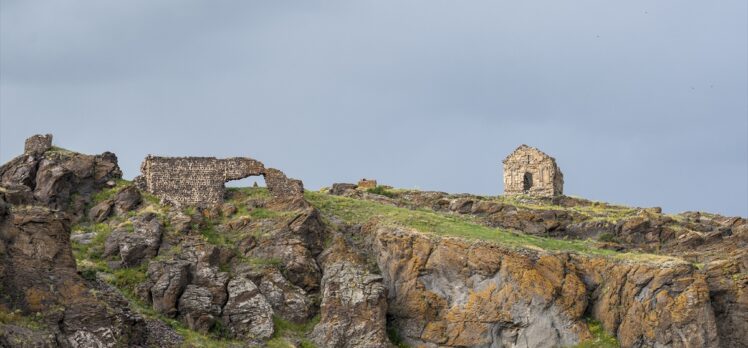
525, 147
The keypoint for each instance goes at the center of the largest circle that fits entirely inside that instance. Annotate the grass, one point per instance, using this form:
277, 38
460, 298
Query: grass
395, 338
236, 194
595, 211
606, 237
32, 322
92, 266
192, 338
357, 211
93, 250
108, 193
262, 213
287, 332
213, 236
60, 150
600, 338
128, 278
381, 190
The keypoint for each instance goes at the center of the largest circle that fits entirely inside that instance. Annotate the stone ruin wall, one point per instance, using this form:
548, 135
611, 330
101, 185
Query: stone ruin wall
547, 179
201, 180
282, 187
37, 144
366, 184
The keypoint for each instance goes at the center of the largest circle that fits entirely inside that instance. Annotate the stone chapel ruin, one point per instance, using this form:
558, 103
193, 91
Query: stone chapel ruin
530, 171
200, 180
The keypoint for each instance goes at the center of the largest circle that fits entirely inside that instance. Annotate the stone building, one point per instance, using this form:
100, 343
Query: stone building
201, 180
530, 171
366, 184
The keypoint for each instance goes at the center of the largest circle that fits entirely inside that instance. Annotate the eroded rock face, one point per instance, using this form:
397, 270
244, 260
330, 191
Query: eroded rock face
354, 302
451, 292
191, 287
649, 305
16, 336
127, 199
138, 245
57, 179
168, 279
39, 276
198, 308
295, 247
728, 289
247, 313
289, 301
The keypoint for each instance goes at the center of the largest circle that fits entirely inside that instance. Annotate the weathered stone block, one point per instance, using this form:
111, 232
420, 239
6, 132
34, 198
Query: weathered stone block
366, 184
38, 144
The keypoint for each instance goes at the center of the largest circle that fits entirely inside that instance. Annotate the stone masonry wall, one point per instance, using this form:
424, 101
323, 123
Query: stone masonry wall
282, 187
37, 144
530, 171
200, 180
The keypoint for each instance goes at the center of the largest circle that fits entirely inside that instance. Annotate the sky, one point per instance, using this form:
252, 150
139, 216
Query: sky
643, 103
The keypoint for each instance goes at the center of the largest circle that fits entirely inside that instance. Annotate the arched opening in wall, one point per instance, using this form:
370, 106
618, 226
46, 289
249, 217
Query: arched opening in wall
527, 182
242, 188
247, 182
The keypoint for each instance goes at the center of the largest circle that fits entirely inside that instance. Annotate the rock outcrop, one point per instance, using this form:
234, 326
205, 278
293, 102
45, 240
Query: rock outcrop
451, 292
57, 179
39, 279
354, 302
264, 261
135, 241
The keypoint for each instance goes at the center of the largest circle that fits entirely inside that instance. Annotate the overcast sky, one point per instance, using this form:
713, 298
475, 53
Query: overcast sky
643, 103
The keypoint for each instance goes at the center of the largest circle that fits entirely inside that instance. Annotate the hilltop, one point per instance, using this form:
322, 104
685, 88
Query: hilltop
90, 259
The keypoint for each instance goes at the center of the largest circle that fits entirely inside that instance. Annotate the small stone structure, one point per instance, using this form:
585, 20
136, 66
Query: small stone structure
365, 184
38, 144
530, 171
200, 180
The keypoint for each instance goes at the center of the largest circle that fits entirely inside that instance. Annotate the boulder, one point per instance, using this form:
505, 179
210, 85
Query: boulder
308, 227
137, 245
83, 238
298, 263
228, 209
197, 308
461, 205
127, 199
166, 282
339, 189
247, 313
101, 211
288, 301
181, 222
20, 171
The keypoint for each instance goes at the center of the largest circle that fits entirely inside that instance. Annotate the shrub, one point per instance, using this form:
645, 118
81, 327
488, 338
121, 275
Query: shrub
381, 190
606, 237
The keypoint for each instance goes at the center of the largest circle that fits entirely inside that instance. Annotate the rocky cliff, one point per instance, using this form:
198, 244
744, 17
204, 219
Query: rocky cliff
88, 260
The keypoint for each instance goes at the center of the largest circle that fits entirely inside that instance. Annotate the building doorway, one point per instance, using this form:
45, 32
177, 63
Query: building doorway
527, 182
